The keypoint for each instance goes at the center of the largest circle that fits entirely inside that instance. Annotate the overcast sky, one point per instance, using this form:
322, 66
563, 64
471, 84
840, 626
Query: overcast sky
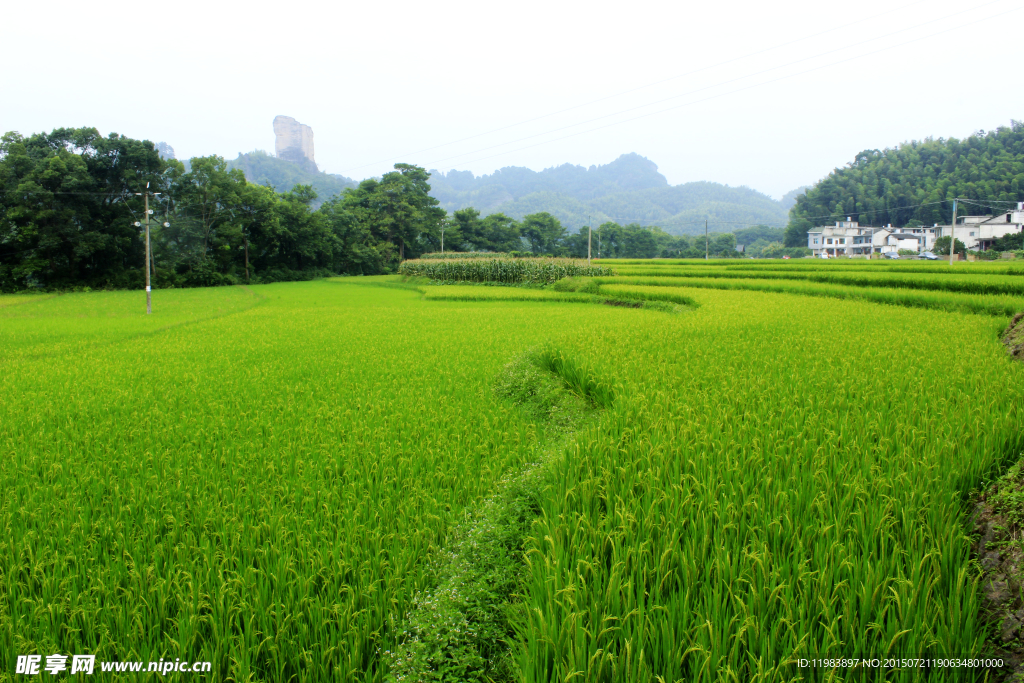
768, 95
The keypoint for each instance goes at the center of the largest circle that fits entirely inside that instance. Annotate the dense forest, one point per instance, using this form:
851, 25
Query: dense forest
72, 216
914, 184
628, 190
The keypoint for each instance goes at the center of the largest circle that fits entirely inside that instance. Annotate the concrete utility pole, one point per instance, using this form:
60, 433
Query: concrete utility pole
149, 251
705, 239
952, 234
590, 234
149, 296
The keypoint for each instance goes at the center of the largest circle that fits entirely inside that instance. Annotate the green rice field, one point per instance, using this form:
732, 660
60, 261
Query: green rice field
776, 464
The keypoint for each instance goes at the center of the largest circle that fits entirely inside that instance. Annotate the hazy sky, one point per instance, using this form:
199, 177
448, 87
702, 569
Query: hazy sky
769, 95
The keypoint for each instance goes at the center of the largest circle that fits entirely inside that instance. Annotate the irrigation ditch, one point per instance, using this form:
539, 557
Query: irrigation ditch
464, 628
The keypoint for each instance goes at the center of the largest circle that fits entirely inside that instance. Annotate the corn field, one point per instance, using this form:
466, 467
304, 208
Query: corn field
437, 255
501, 270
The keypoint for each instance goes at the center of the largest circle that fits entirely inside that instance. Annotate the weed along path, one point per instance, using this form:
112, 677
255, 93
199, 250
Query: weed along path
464, 628
373, 483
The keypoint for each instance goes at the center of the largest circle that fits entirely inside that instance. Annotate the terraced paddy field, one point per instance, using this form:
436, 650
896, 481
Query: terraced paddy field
276, 479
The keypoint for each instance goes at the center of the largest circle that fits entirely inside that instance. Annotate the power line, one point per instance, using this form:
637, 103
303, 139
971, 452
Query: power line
731, 92
642, 87
720, 84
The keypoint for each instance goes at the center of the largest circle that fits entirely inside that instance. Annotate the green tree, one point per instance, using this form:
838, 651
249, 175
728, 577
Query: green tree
639, 242
611, 238
502, 233
258, 221
204, 228
399, 209
942, 246
306, 238
68, 205
544, 233
357, 251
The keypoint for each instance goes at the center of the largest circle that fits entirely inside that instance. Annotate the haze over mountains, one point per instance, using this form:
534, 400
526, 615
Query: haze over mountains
627, 190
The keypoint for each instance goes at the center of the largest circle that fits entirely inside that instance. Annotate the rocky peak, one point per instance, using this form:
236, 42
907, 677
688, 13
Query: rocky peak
294, 142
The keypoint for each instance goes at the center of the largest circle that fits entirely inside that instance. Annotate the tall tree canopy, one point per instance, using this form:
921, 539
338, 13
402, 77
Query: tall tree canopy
68, 207
69, 201
915, 183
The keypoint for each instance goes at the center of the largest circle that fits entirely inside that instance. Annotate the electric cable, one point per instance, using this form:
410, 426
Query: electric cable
643, 87
716, 96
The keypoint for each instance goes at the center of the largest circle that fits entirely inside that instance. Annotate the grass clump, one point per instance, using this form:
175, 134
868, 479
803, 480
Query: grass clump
535, 383
577, 378
577, 284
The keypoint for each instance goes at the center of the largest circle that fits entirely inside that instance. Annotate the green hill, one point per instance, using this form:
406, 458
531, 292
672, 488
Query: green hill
915, 183
263, 169
628, 190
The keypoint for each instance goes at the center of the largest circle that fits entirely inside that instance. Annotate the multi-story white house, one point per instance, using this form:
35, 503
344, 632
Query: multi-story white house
849, 238
978, 232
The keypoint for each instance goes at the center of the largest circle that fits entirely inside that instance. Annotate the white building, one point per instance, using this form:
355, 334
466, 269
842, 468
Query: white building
849, 238
978, 232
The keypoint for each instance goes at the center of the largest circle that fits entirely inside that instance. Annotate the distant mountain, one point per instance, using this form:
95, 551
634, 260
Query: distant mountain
788, 200
281, 174
165, 150
628, 190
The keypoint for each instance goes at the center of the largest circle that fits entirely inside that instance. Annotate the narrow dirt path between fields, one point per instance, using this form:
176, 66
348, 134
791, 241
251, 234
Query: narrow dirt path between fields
463, 628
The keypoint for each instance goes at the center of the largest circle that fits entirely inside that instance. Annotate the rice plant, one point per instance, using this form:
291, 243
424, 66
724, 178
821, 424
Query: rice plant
265, 478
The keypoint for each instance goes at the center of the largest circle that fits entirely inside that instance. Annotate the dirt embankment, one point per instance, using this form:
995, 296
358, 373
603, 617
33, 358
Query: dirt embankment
1013, 338
999, 548
998, 523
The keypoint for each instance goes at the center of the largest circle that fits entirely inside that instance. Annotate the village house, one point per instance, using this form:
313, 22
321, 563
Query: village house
849, 238
978, 232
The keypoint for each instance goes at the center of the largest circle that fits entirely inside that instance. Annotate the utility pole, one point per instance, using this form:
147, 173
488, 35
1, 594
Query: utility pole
952, 234
590, 234
443, 223
149, 258
149, 251
705, 239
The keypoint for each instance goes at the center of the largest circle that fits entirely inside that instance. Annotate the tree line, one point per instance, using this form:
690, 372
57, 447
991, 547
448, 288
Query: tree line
72, 216
915, 183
